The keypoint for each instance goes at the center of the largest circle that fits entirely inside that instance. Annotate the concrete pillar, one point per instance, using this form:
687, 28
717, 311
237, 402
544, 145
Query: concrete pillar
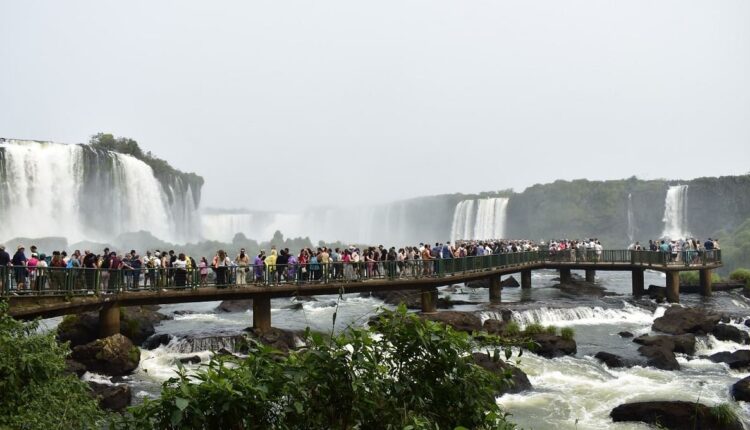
495, 290
565, 277
429, 300
590, 275
638, 283
109, 320
706, 287
262, 313
525, 279
673, 286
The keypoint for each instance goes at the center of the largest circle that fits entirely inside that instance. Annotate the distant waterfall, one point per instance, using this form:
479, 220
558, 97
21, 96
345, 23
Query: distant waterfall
631, 219
82, 193
675, 212
487, 221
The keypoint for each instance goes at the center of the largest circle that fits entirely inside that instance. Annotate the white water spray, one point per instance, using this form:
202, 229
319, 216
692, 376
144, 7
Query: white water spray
675, 212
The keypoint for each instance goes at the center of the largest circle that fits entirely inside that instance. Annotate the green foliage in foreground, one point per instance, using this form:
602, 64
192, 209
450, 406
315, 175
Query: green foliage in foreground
403, 373
724, 413
35, 390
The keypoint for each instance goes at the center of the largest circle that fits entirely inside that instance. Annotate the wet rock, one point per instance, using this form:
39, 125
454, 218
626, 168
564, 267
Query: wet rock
551, 346
283, 340
493, 326
657, 293
225, 352
452, 289
305, 299
74, 367
235, 305
193, 359
509, 282
183, 312
112, 397
295, 306
583, 288
683, 343
411, 298
747, 322
612, 361
136, 323
156, 341
679, 320
518, 380
741, 390
736, 360
461, 321
672, 415
659, 357
114, 355
730, 333
481, 283
625, 334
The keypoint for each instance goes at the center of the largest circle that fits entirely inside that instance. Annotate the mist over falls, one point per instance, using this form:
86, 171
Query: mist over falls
83, 193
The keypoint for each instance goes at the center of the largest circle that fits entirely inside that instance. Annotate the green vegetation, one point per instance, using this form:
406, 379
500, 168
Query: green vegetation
416, 374
512, 329
534, 329
550, 329
693, 277
742, 275
37, 392
724, 413
567, 333
735, 246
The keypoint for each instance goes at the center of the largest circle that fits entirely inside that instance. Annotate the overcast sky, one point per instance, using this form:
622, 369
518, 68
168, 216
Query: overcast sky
284, 105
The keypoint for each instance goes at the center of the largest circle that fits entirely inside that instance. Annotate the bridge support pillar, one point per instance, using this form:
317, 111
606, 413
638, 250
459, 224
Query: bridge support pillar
429, 300
495, 290
565, 276
706, 287
525, 279
590, 275
673, 286
109, 320
638, 283
262, 313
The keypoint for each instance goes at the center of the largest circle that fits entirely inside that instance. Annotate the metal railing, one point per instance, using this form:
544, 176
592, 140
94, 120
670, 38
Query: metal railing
76, 281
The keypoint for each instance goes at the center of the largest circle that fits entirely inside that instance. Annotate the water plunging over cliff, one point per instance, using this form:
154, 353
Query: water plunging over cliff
631, 219
675, 212
486, 222
82, 193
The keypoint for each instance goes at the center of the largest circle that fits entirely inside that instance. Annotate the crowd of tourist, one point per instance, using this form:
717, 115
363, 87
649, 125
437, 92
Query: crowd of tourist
158, 269
679, 250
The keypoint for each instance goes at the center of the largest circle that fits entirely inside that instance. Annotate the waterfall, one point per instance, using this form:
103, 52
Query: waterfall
487, 222
631, 219
675, 212
82, 193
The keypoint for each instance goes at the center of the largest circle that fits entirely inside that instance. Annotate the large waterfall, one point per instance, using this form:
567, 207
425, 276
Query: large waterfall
480, 219
675, 212
82, 193
631, 219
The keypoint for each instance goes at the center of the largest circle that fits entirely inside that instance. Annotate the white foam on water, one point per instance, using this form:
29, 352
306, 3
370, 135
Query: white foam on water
581, 315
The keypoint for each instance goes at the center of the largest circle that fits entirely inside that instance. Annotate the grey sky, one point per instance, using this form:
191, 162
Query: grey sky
283, 104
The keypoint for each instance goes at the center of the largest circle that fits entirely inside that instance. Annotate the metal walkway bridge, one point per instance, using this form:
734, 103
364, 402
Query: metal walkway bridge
52, 292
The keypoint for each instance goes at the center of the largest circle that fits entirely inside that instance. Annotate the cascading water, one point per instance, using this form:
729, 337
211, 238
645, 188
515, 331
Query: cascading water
675, 212
631, 219
81, 193
487, 222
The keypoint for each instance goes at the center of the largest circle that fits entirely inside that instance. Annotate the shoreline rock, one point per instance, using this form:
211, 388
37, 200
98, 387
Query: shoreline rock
678, 320
115, 355
518, 381
113, 398
741, 390
552, 346
613, 361
675, 415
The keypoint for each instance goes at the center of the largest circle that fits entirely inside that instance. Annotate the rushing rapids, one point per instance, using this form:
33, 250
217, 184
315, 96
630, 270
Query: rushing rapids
83, 193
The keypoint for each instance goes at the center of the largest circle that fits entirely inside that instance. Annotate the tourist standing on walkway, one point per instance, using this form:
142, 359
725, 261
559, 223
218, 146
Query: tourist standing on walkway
243, 266
19, 267
180, 271
259, 265
221, 265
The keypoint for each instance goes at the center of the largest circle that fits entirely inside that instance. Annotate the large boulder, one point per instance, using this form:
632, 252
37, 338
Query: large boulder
136, 323
551, 345
684, 343
461, 321
679, 320
74, 367
611, 360
518, 381
509, 282
659, 357
730, 333
736, 360
741, 390
156, 341
235, 305
114, 355
112, 397
493, 326
283, 340
673, 415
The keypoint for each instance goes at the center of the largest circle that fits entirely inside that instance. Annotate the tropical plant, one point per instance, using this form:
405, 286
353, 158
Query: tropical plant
35, 390
567, 333
534, 328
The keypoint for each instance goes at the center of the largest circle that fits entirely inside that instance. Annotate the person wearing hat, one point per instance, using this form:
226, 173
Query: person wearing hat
19, 267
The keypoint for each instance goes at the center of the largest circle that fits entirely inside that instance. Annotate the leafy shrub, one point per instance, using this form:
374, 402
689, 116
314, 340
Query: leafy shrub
693, 277
724, 413
534, 329
550, 329
511, 329
741, 275
567, 333
415, 374
35, 390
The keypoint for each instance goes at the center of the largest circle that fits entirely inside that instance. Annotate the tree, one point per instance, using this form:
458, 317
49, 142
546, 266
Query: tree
36, 391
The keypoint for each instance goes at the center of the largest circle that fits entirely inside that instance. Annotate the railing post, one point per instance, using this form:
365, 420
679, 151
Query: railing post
706, 287
638, 282
590, 275
673, 286
262, 313
525, 279
495, 289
